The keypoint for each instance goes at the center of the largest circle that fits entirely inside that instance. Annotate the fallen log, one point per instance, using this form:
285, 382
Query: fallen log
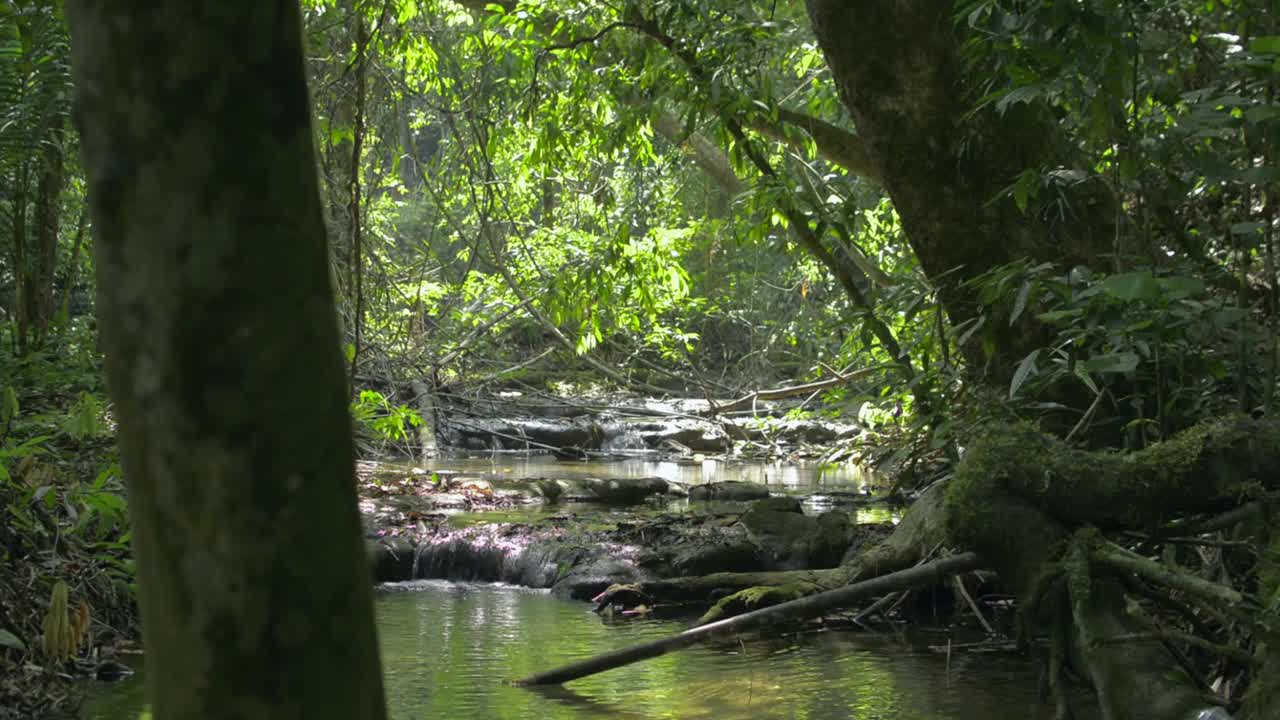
919, 576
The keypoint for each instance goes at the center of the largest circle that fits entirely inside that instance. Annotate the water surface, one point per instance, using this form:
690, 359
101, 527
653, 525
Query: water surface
448, 650
798, 477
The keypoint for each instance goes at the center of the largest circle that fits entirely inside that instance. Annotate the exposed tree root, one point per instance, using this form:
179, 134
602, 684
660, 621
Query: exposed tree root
919, 531
1035, 510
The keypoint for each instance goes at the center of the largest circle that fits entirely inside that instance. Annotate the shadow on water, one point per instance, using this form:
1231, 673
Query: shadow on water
449, 650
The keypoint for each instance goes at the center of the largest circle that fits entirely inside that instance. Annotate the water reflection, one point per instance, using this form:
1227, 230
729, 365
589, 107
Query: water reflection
804, 477
449, 651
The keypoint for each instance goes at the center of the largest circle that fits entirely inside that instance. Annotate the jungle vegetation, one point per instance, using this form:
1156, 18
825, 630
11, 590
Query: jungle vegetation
1049, 226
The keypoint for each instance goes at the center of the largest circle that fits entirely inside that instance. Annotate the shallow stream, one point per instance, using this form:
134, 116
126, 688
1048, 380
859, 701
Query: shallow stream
449, 649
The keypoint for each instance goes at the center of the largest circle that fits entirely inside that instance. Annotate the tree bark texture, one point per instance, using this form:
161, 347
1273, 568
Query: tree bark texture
899, 71
223, 360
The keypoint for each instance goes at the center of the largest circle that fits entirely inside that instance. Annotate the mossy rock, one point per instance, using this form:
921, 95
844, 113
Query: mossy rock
755, 598
830, 539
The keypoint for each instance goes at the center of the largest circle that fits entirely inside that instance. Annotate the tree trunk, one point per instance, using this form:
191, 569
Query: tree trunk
21, 276
223, 360
898, 68
48, 215
73, 266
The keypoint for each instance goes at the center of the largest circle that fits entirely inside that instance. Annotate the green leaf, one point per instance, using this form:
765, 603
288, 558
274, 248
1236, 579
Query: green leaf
1261, 114
1269, 44
1020, 303
8, 405
1178, 287
1054, 316
1088, 381
9, 640
1026, 369
1260, 175
1132, 286
977, 325
1122, 362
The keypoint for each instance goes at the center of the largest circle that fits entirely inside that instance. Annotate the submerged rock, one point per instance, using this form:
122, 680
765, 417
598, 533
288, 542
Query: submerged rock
729, 490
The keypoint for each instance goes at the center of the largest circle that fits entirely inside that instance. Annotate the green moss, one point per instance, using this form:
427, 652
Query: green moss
754, 598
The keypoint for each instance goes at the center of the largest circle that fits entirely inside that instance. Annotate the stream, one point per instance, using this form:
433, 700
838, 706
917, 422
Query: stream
448, 649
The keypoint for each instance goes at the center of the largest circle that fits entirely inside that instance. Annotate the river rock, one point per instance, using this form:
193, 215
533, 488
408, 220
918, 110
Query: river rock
790, 540
703, 558
391, 560
729, 490
594, 576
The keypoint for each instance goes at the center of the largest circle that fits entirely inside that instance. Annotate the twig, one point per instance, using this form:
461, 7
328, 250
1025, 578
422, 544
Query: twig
964, 593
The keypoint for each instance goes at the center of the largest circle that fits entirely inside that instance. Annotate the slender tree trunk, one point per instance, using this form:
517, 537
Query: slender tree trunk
356, 261
223, 360
21, 274
73, 268
48, 216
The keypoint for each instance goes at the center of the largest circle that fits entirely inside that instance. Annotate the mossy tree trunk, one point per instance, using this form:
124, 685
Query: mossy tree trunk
223, 359
1031, 507
899, 71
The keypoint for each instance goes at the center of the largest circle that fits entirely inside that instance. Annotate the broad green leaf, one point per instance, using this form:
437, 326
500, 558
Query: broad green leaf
1026, 369
1260, 175
1132, 286
1226, 317
1178, 287
1269, 44
1122, 362
1261, 114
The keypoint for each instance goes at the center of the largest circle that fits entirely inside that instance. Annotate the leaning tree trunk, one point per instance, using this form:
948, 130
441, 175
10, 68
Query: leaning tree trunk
898, 69
223, 359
